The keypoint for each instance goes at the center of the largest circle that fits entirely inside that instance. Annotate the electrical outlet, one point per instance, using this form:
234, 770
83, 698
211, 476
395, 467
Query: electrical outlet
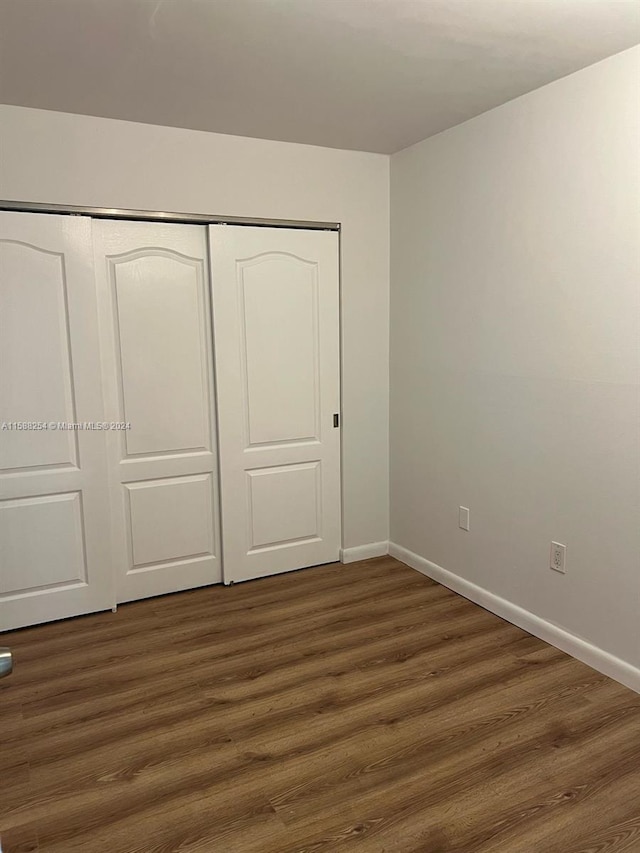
463, 517
558, 555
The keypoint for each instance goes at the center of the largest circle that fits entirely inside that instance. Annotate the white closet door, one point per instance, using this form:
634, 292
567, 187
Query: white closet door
158, 376
54, 510
276, 321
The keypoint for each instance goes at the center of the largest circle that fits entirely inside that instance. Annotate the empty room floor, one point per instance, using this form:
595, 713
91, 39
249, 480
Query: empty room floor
360, 707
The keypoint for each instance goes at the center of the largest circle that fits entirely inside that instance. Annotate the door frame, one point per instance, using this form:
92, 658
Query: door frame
205, 219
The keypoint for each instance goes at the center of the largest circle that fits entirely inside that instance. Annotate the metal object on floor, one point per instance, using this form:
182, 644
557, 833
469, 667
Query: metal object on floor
6, 662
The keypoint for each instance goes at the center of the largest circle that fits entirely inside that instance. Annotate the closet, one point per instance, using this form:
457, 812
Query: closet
169, 408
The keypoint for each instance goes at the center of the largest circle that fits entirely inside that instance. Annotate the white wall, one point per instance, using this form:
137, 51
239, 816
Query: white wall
515, 351
69, 159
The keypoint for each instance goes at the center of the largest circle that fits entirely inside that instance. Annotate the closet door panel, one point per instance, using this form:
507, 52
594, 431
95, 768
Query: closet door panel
158, 373
276, 314
161, 331
35, 351
278, 297
170, 518
54, 509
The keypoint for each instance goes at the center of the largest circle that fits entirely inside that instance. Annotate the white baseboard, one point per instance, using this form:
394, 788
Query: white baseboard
364, 552
578, 648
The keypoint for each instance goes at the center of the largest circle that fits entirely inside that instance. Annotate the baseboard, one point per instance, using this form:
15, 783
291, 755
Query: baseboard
364, 552
578, 648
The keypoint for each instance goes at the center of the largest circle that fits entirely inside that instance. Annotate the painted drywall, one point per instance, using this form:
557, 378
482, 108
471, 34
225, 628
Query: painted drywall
515, 352
69, 159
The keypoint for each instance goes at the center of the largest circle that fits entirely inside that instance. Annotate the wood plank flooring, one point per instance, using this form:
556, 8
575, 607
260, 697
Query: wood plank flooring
353, 708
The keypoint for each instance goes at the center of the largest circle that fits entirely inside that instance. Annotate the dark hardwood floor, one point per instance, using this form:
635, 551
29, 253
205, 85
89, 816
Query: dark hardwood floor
360, 708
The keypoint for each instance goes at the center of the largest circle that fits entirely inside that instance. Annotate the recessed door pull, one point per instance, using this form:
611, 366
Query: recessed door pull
336, 420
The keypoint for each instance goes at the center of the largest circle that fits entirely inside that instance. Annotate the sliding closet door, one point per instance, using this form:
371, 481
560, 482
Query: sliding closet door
276, 318
54, 511
155, 318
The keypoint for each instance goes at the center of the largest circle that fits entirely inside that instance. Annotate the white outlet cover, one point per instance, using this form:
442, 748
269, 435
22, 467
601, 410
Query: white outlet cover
557, 558
463, 518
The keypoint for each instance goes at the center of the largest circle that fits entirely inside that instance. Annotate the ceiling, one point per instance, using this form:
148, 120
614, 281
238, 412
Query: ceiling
372, 75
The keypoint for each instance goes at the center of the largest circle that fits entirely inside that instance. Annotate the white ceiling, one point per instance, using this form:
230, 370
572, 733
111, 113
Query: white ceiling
374, 75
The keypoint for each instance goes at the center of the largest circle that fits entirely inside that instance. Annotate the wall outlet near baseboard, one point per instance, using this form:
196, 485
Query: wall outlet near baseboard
557, 559
463, 517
